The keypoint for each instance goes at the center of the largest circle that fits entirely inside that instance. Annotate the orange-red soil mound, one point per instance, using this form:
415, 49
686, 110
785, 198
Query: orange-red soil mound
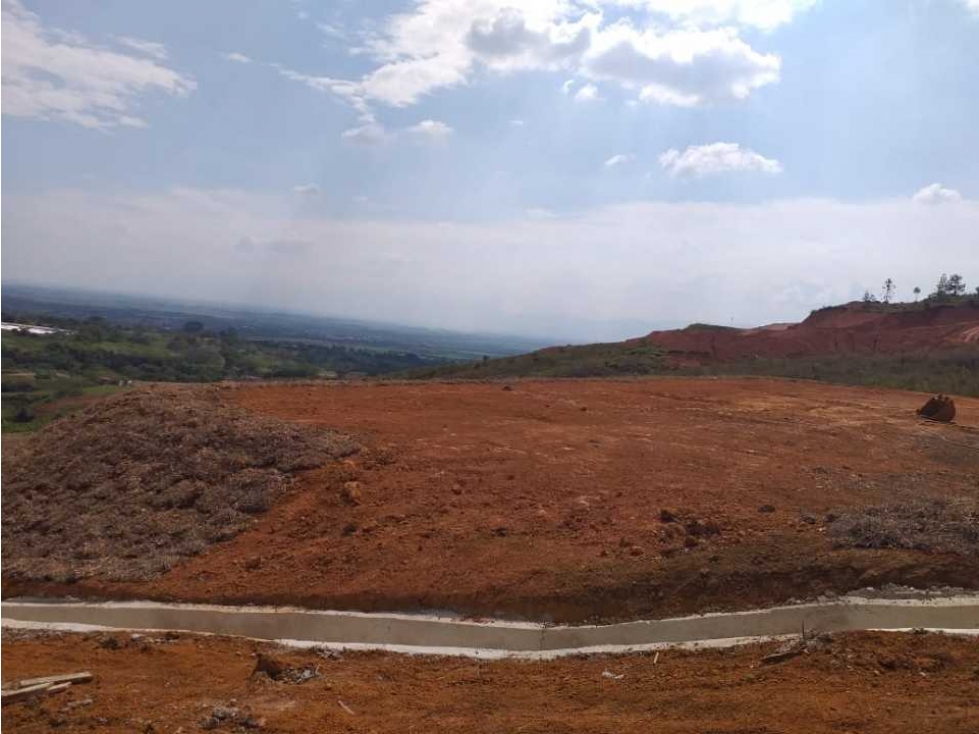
855, 328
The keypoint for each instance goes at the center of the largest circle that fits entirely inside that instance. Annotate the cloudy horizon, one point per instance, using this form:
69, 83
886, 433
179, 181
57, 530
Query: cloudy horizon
589, 169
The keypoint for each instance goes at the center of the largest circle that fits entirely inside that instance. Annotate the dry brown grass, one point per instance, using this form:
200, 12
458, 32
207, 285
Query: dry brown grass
126, 488
931, 525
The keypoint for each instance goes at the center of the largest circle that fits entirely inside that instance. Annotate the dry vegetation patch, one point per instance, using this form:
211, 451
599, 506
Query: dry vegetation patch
127, 487
932, 525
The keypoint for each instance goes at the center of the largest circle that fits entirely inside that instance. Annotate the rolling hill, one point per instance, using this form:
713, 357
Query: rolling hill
929, 346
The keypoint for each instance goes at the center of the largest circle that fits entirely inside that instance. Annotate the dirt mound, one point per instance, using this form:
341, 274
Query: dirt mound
855, 328
125, 488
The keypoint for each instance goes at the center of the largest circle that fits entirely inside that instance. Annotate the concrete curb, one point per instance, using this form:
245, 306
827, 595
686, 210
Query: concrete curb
445, 635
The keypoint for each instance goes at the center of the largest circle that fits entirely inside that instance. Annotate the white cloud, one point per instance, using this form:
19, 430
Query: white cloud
588, 93
714, 158
149, 48
507, 41
371, 133
332, 30
936, 193
685, 68
306, 190
763, 14
504, 275
368, 134
516, 123
51, 75
236, 57
433, 129
441, 44
617, 160
972, 5
350, 92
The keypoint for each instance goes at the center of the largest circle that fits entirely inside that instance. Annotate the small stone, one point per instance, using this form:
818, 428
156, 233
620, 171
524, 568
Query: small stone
667, 515
350, 494
767, 509
636, 550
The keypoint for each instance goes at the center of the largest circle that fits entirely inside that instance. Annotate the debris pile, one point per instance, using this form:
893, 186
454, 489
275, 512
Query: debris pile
128, 487
279, 669
230, 716
29, 688
935, 526
806, 643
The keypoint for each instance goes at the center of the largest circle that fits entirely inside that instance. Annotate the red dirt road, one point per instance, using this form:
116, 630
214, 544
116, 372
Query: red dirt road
870, 682
545, 500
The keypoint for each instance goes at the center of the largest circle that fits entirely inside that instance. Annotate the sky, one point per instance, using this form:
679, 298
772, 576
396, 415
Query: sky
566, 169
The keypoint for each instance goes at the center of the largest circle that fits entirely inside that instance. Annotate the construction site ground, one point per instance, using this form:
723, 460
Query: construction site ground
859, 682
582, 500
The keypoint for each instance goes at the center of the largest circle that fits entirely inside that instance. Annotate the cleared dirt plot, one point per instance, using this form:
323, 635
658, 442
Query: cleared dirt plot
170, 682
589, 500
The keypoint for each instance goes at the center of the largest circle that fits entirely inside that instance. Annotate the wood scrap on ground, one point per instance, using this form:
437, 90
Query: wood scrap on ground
30, 687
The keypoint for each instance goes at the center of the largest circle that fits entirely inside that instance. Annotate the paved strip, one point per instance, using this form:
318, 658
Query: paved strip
442, 635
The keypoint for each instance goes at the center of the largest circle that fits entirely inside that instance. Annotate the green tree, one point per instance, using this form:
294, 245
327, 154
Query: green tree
955, 285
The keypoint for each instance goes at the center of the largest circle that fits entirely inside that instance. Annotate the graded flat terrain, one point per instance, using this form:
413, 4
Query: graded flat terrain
866, 682
546, 499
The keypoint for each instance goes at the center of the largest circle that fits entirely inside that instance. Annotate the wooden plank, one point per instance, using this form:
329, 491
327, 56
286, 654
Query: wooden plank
19, 694
83, 677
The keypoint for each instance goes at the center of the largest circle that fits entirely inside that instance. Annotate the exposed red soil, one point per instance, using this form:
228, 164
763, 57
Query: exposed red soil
851, 329
545, 500
868, 682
